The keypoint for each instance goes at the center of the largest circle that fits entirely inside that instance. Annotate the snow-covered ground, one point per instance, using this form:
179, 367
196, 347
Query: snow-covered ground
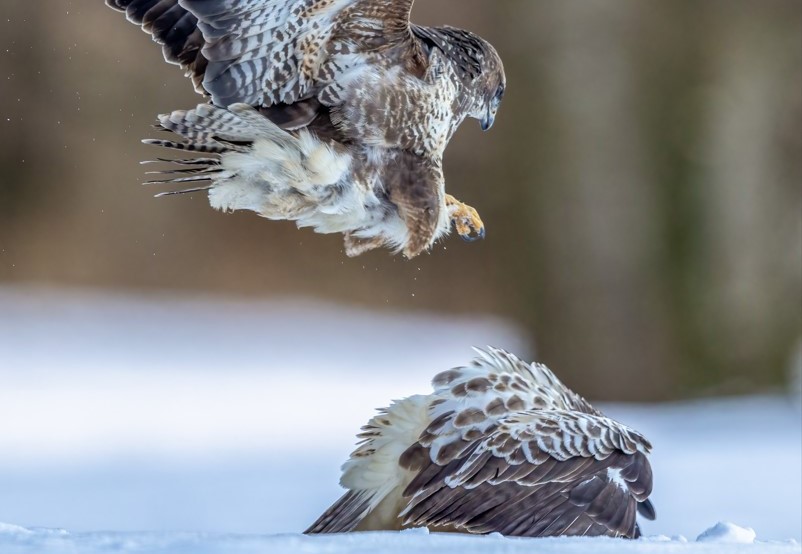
719, 539
215, 417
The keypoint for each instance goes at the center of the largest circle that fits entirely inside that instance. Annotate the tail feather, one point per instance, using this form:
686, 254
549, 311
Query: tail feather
256, 166
215, 130
204, 147
184, 171
238, 124
183, 191
177, 180
178, 175
199, 170
187, 161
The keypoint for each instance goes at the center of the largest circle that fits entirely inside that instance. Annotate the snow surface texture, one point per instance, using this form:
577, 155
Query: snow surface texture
133, 413
724, 538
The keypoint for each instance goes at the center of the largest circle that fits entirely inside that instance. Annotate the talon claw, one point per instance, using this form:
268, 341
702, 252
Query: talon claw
466, 220
480, 234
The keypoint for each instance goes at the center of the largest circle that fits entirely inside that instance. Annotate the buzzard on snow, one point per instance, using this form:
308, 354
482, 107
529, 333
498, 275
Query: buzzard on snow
331, 113
500, 446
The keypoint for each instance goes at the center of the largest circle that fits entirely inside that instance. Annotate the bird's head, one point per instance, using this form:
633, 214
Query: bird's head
487, 84
493, 93
477, 65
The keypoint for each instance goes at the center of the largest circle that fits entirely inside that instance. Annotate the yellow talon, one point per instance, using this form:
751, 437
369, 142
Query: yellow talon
466, 219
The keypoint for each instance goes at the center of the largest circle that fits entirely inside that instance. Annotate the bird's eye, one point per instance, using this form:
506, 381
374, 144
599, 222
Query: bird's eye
500, 92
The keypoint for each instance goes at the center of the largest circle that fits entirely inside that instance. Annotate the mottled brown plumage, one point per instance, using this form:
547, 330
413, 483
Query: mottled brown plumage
332, 113
499, 446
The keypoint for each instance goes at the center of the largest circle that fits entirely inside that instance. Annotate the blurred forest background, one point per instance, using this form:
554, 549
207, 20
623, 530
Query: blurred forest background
641, 189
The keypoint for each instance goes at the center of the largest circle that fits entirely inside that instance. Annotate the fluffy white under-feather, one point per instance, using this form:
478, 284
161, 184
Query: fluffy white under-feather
373, 467
291, 175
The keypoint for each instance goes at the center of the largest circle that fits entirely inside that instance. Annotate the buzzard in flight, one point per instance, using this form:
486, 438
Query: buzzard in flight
500, 446
331, 113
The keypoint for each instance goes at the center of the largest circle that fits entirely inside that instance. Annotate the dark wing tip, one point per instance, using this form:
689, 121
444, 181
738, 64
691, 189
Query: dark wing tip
174, 28
646, 510
344, 515
118, 5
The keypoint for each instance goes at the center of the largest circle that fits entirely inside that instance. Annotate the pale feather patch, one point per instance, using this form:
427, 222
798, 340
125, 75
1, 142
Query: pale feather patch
375, 462
373, 467
614, 475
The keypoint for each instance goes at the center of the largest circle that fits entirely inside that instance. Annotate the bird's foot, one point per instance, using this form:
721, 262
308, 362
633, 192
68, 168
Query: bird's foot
465, 219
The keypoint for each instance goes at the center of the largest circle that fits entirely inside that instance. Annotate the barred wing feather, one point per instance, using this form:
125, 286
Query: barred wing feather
269, 52
537, 473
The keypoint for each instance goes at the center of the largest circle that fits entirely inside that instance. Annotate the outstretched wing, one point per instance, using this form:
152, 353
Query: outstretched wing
537, 473
268, 52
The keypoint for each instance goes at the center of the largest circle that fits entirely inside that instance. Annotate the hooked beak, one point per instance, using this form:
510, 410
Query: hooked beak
488, 120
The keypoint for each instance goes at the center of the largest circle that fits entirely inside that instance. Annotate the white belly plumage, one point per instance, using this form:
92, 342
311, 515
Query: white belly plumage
305, 180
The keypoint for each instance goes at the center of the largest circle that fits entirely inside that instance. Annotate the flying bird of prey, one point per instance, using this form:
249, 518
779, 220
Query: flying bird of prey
499, 446
331, 113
